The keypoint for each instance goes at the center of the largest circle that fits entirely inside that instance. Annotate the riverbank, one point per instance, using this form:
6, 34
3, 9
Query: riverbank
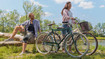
99, 38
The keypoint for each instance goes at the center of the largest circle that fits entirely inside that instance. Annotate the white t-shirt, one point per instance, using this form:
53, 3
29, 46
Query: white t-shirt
70, 15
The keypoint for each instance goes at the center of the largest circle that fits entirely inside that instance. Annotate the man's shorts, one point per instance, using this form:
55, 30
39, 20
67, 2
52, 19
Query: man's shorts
28, 38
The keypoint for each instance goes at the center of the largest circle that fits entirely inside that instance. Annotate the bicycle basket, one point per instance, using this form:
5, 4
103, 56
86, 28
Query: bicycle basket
84, 26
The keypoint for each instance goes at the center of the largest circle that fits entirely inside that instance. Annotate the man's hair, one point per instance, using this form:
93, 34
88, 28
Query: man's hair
30, 14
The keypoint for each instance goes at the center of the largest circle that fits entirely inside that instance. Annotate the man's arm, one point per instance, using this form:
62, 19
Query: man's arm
24, 23
39, 29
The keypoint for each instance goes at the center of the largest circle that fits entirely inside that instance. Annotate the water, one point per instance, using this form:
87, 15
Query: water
100, 42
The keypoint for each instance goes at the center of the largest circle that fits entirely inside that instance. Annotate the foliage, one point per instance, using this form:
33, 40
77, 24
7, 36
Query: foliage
8, 20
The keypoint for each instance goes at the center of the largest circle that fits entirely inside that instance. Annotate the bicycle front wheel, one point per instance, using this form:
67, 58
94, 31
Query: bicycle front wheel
74, 43
93, 43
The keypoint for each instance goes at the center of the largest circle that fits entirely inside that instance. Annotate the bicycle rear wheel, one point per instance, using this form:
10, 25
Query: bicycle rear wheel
93, 43
46, 45
54, 45
39, 43
80, 44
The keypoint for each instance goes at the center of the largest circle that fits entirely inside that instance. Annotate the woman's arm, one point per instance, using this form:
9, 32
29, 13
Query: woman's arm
66, 14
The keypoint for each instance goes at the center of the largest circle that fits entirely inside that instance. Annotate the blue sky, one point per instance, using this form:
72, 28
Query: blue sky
89, 10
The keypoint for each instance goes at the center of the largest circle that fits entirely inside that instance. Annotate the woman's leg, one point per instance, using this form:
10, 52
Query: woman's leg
68, 31
63, 34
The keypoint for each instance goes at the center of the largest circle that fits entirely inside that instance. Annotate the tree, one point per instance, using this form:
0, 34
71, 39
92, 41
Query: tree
100, 29
2, 20
36, 10
8, 20
45, 24
27, 6
12, 19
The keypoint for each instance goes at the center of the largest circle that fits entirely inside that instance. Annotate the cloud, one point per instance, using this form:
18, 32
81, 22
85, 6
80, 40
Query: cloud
77, 1
102, 6
86, 5
47, 14
82, 3
37, 3
63, 1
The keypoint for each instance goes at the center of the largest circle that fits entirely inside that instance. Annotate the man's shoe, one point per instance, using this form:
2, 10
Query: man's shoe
8, 40
22, 53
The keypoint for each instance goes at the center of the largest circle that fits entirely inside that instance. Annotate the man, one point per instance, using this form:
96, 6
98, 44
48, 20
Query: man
32, 26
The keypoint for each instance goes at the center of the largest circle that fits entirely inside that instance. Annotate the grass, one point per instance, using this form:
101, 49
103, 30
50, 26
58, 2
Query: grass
99, 38
12, 52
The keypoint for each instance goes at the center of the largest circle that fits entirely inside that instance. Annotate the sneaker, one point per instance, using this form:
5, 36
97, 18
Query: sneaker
8, 40
63, 51
22, 53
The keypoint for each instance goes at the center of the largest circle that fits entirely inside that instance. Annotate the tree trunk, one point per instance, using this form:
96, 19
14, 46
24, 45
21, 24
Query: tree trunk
7, 35
16, 41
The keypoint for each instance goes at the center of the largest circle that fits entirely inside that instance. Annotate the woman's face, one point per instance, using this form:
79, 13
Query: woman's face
69, 6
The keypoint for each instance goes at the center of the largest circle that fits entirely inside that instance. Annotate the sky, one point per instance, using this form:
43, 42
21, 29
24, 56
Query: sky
92, 11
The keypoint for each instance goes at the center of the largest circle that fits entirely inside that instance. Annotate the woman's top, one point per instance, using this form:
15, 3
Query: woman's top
66, 15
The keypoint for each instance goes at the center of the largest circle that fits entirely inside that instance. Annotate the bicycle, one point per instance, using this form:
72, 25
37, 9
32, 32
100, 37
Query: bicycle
85, 31
50, 42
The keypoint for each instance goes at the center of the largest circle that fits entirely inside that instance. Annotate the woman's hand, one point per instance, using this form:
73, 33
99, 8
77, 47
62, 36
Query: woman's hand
73, 21
72, 18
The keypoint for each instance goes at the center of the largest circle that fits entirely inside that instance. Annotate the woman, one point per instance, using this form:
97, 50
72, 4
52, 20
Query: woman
67, 17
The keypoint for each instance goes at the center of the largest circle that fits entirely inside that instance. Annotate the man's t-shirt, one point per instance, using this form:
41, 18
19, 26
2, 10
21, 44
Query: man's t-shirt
31, 28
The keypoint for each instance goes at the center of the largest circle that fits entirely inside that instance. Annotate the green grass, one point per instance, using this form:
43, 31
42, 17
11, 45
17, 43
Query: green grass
99, 38
12, 52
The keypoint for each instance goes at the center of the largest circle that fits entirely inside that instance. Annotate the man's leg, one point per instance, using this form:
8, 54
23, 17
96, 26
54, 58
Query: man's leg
17, 28
24, 47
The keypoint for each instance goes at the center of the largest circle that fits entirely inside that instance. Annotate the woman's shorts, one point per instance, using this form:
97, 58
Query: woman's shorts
64, 32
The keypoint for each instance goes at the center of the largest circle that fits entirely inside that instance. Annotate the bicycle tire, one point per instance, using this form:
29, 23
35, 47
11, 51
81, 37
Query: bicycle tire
75, 46
47, 51
96, 43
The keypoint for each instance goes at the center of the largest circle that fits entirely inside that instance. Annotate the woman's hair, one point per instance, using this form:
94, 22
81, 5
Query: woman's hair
65, 7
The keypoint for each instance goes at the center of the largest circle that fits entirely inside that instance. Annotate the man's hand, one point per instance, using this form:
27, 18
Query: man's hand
22, 28
39, 31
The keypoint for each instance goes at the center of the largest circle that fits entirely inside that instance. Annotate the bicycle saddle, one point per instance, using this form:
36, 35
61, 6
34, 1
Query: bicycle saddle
60, 27
51, 24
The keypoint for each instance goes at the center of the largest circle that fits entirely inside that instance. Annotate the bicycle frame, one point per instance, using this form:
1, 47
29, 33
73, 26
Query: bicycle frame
54, 30
77, 29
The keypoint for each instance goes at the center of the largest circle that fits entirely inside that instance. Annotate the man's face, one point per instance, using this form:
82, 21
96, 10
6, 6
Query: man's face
31, 16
